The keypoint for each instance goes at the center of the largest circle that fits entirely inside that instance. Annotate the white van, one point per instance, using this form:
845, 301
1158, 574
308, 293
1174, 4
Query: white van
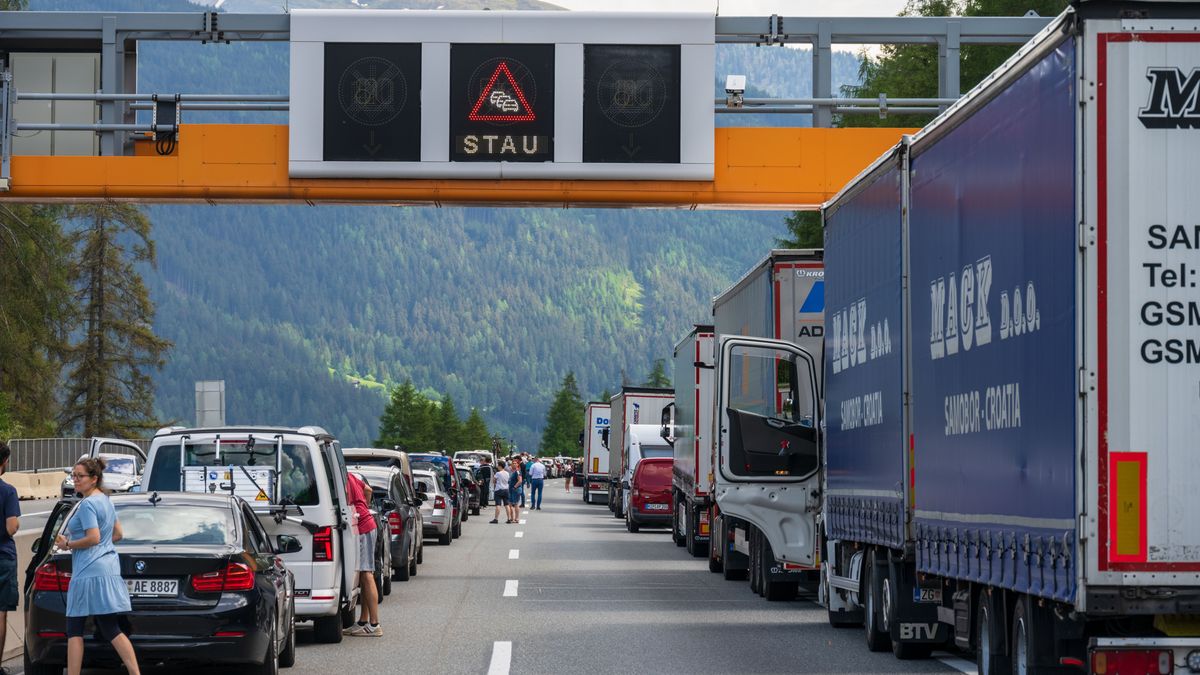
295, 480
642, 441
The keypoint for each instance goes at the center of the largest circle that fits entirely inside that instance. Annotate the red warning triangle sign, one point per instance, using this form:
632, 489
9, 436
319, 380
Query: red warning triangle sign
497, 105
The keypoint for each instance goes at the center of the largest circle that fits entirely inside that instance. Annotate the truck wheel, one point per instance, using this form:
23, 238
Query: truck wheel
714, 545
1031, 638
756, 576
878, 640
991, 657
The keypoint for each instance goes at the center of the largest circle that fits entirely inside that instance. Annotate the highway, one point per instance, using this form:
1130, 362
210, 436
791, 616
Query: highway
570, 591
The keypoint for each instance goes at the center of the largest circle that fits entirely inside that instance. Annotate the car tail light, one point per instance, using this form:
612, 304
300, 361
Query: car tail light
394, 523
439, 502
1106, 661
230, 633
323, 544
48, 577
51, 634
235, 577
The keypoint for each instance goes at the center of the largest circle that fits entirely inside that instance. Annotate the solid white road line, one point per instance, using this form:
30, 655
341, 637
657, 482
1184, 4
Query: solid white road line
514, 553
518, 535
961, 665
501, 658
510, 588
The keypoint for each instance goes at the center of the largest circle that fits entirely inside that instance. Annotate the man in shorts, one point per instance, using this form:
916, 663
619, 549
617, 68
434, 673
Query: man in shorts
500, 494
359, 494
10, 510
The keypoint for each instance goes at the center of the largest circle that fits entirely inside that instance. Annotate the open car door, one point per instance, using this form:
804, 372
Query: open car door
769, 442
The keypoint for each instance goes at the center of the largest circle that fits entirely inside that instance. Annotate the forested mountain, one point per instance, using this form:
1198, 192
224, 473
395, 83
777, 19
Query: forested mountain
308, 312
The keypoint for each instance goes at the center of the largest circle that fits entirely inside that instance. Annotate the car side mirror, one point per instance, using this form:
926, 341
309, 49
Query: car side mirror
36, 547
286, 543
389, 505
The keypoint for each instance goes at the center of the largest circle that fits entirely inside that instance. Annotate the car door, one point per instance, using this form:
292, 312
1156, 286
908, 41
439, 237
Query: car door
769, 438
349, 551
117, 446
42, 545
269, 566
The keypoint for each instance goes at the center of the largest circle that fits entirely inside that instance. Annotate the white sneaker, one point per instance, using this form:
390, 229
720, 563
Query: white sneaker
356, 629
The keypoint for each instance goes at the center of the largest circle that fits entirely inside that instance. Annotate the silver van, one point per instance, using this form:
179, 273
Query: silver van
295, 481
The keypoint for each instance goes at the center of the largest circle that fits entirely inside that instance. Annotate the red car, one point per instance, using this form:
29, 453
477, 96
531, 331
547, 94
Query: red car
650, 499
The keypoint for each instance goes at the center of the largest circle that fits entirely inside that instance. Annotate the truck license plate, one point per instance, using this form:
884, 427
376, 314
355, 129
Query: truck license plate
927, 595
153, 588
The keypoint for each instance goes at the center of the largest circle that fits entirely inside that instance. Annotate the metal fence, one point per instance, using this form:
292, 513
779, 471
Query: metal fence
42, 454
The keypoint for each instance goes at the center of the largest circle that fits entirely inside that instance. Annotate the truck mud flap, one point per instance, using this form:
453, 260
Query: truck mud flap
913, 622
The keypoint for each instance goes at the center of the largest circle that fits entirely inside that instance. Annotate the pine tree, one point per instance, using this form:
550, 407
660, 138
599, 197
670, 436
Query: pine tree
405, 421
658, 376
804, 231
449, 426
475, 432
605, 396
563, 421
109, 389
36, 308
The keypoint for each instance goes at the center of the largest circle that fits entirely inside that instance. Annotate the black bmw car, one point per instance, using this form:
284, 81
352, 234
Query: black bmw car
206, 584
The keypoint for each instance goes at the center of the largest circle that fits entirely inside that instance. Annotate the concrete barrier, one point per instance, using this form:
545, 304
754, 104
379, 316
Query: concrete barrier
42, 485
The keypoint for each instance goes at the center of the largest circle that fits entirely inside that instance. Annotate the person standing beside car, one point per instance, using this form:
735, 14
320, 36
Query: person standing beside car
10, 505
537, 481
359, 494
485, 473
500, 490
97, 589
515, 484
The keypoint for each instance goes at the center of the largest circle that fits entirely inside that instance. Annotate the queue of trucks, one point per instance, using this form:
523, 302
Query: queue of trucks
971, 420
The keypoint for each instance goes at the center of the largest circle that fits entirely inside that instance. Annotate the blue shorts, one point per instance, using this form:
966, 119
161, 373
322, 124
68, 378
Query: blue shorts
514, 495
8, 584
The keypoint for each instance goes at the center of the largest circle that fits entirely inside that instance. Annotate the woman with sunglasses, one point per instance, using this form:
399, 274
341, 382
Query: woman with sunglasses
97, 589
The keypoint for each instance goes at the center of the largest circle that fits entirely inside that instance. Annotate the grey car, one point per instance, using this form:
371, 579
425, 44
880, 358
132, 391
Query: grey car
437, 511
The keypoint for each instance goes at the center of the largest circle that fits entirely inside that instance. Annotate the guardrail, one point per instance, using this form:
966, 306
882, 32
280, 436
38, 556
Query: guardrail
44, 454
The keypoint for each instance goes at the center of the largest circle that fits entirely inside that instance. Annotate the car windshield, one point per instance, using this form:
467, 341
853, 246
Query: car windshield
119, 465
654, 474
652, 451
175, 525
297, 480
425, 485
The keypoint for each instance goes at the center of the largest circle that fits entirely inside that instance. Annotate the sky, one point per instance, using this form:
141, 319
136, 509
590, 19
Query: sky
747, 7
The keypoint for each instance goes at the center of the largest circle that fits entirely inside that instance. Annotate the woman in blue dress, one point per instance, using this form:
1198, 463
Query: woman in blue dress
97, 589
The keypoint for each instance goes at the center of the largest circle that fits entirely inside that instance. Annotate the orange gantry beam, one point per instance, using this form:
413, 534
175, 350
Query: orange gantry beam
771, 168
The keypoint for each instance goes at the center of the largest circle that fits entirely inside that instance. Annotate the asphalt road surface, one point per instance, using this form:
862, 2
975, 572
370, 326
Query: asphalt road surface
570, 591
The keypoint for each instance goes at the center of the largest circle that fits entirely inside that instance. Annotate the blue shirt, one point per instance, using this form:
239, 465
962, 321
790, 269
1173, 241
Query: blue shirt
96, 584
11, 506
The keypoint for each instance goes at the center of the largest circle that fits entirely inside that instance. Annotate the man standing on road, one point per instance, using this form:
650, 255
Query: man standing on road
359, 494
486, 473
11, 509
500, 490
537, 480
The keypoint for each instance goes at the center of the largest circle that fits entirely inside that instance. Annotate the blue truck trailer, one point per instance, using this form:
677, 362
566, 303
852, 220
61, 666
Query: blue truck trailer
1012, 363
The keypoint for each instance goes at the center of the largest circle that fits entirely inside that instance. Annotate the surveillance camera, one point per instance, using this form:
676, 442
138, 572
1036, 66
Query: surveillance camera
735, 89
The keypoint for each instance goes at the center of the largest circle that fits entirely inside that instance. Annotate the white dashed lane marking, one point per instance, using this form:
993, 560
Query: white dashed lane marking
518, 535
514, 554
510, 588
501, 658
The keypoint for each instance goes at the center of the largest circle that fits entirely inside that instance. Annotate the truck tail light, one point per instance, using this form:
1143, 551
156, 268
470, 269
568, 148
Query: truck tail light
394, 523
704, 526
1113, 661
48, 577
323, 544
235, 577
439, 502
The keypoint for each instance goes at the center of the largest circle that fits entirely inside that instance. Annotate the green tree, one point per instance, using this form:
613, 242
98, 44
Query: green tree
475, 432
109, 390
563, 421
804, 231
36, 306
658, 376
605, 396
405, 421
449, 426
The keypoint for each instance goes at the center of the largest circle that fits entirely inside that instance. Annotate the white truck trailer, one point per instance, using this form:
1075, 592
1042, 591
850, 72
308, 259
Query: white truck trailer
634, 405
595, 452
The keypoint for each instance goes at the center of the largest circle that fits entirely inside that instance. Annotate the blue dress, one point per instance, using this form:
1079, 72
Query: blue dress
96, 584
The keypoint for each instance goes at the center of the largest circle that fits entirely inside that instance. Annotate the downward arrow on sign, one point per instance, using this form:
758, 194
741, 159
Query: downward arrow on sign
631, 149
371, 146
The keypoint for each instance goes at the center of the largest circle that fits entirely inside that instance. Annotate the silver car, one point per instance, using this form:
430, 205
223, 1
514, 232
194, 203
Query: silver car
436, 508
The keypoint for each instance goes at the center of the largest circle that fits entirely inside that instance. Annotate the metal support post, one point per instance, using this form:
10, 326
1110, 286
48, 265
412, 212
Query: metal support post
948, 61
822, 74
111, 69
8, 102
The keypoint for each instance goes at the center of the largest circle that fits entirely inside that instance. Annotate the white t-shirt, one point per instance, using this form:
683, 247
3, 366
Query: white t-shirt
501, 481
537, 471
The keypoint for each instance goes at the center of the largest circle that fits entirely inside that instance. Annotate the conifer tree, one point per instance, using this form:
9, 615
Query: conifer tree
563, 421
36, 308
405, 420
475, 432
605, 396
658, 376
109, 390
449, 426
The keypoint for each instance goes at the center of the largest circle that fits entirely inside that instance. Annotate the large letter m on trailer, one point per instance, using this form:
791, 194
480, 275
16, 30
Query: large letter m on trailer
1173, 99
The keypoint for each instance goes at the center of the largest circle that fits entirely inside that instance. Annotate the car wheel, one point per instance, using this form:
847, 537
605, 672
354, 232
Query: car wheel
402, 572
475, 511
420, 552
457, 530
40, 668
412, 562
270, 664
444, 539
387, 586
328, 629
287, 658
630, 525
465, 514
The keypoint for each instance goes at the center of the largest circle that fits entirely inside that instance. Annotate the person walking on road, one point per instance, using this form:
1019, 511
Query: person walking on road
537, 481
10, 509
515, 484
500, 490
359, 494
569, 473
97, 589
523, 466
